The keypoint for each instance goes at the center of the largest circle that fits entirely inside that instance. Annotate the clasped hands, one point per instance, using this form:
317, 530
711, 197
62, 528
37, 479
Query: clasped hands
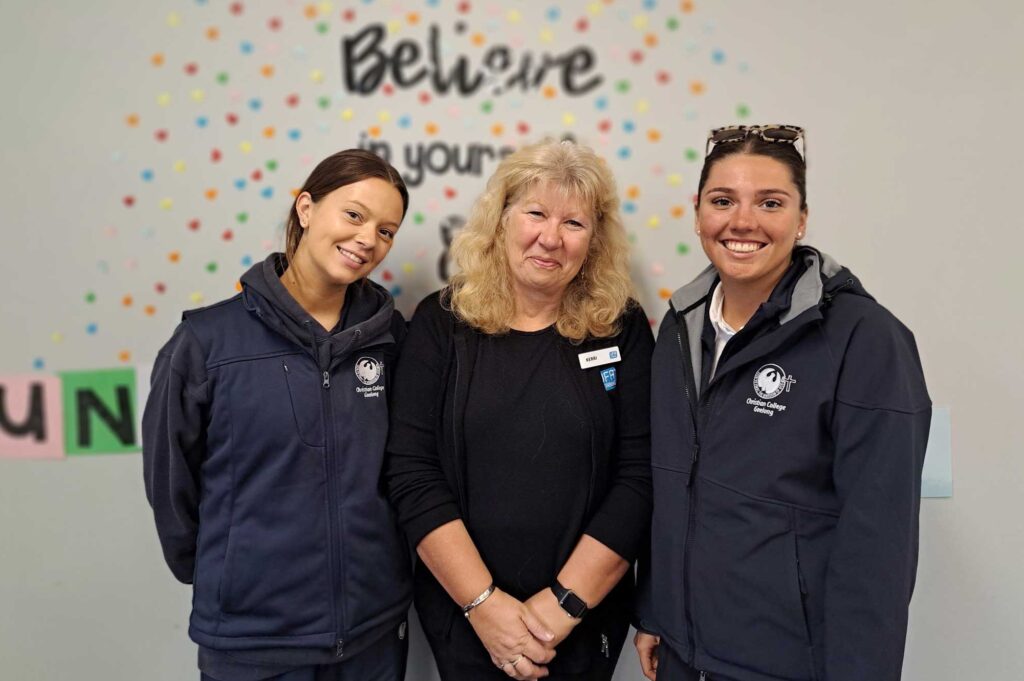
521, 637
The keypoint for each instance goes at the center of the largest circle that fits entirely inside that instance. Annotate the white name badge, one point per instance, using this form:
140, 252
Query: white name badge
600, 357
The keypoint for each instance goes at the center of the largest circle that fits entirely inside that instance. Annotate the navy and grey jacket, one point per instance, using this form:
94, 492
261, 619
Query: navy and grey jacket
787, 487
263, 439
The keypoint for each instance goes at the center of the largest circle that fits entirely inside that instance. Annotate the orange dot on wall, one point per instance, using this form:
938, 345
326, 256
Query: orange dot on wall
212, 33
126, 301
686, 6
497, 129
549, 91
150, 310
174, 256
157, 59
678, 211
125, 356
413, 18
269, 131
431, 128
478, 39
374, 131
267, 71
309, 11
653, 135
664, 293
632, 192
696, 87
238, 287
132, 120
210, 194
650, 40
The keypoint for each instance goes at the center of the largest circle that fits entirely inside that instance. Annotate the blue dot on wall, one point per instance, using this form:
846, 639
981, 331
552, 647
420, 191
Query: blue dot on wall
267, 192
650, 4
404, 122
628, 126
601, 103
91, 328
147, 175
255, 104
202, 121
240, 183
245, 47
294, 134
628, 207
718, 57
624, 152
554, 13
432, 3
38, 363
246, 260
396, 291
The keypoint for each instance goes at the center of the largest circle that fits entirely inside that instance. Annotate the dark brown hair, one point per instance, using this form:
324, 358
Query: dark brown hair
783, 152
340, 169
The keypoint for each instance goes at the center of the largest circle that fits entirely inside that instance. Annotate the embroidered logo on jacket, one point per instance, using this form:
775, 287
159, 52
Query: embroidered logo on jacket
368, 371
770, 381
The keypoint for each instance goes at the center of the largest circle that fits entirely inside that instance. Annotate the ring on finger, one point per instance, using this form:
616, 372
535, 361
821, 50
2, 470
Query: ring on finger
513, 662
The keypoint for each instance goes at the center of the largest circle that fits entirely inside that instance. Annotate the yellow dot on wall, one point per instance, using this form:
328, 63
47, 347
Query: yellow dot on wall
513, 16
57, 337
196, 296
197, 95
166, 204
675, 179
642, 106
384, 116
325, 7
316, 75
640, 22
595, 8
653, 222
173, 20
568, 119
346, 114
245, 147
179, 166
394, 26
163, 99
547, 35
408, 267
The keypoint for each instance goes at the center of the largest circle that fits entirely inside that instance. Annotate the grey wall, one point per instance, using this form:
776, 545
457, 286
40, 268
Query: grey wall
915, 183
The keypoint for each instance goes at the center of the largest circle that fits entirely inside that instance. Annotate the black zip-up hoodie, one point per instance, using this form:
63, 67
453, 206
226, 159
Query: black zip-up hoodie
263, 439
787, 487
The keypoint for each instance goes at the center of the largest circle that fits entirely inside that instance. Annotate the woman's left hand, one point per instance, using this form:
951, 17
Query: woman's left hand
545, 607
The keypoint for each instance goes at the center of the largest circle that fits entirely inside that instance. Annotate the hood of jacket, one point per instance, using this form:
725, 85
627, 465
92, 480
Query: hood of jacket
367, 315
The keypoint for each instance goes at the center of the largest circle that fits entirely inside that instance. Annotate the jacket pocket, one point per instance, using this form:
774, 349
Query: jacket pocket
276, 579
303, 394
747, 599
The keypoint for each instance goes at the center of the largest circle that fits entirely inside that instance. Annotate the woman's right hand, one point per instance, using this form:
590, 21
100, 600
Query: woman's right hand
511, 633
647, 649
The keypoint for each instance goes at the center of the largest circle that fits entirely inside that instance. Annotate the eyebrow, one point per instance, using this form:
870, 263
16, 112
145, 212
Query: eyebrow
760, 192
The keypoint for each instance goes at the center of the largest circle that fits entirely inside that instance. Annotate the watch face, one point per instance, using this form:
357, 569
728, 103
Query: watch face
573, 604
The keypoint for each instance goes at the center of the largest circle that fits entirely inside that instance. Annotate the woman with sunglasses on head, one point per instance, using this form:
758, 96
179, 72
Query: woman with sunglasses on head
263, 438
789, 424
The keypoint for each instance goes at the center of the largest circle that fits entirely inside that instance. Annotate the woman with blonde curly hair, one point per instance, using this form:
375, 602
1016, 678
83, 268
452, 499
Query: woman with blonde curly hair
518, 458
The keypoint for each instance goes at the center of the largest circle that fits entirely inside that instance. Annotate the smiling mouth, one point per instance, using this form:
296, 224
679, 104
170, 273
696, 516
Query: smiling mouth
545, 263
351, 256
742, 246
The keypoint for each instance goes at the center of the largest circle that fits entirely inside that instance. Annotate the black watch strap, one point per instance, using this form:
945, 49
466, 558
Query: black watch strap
573, 605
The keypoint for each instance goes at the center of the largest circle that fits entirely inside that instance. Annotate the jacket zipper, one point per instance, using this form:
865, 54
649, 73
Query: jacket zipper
691, 502
332, 503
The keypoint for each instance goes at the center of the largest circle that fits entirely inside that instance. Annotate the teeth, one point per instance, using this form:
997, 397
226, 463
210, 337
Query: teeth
351, 256
742, 246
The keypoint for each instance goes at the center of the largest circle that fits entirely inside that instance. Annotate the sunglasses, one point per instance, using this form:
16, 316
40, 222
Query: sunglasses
788, 134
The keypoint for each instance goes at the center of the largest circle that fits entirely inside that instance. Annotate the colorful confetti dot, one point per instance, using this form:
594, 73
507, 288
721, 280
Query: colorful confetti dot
653, 135
38, 363
245, 146
742, 110
196, 297
294, 134
132, 120
697, 87
675, 179
91, 328
653, 222
682, 249
678, 211
211, 267
664, 293
267, 192
127, 301
166, 204
57, 337
212, 33
240, 183
124, 356
267, 71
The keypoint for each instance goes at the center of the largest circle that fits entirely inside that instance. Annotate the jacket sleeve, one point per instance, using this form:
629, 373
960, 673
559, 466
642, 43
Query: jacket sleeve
880, 429
623, 519
174, 446
414, 480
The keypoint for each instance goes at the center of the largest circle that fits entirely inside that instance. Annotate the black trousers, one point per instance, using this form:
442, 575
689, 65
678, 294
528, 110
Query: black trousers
671, 667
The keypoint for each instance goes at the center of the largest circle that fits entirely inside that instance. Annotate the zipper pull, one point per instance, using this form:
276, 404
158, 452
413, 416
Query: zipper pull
327, 380
703, 676
401, 630
605, 648
693, 464
340, 649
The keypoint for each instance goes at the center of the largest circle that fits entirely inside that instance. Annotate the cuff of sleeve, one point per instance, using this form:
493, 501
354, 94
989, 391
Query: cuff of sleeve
625, 536
419, 527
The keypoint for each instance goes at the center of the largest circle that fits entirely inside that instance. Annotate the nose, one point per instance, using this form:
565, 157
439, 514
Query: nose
550, 237
367, 236
743, 218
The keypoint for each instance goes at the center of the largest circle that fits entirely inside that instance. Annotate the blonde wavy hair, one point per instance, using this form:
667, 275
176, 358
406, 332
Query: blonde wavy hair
481, 292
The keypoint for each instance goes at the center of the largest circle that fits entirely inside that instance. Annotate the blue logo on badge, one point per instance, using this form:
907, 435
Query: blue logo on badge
614, 354
608, 378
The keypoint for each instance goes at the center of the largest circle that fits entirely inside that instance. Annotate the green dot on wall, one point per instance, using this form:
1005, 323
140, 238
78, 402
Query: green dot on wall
222, 78
242, 217
672, 23
418, 218
691, 154
742, 110
323, 102
622, 86
487, 106
90, 297
211, 267
271, 165
682, 249
322, 27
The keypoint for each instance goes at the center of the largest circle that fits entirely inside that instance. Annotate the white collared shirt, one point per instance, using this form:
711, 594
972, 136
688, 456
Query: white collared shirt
723, 332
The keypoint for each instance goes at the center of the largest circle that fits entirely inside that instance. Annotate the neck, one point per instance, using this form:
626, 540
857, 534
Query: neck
535, 311
322, 301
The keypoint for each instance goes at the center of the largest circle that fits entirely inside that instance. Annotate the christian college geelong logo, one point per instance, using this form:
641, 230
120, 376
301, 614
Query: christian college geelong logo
770, 380
367, 370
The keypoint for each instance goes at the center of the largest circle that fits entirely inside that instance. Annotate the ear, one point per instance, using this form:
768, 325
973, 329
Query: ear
304, 208
801, 228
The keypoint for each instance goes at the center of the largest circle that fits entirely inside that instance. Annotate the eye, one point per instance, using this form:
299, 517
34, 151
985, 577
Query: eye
772, 204
575, 224
535, 213
386, 233
721, 202
354, 216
